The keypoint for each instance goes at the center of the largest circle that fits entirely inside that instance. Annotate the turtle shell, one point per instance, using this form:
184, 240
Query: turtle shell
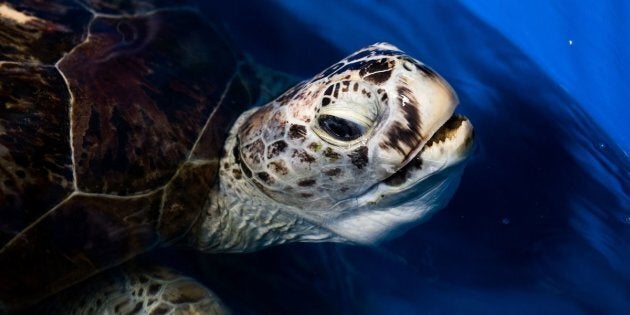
112, 120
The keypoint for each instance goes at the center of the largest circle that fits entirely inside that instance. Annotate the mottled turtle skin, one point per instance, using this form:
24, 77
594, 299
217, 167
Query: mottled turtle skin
107, 112
127, 125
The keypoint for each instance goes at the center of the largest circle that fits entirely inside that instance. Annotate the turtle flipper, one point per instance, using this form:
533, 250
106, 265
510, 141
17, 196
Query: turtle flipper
154, 290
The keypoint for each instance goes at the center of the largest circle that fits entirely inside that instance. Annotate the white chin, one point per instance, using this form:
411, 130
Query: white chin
371, 222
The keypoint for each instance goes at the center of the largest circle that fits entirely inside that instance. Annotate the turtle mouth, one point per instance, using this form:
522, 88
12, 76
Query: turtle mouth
451, 144
448, 132
422, 186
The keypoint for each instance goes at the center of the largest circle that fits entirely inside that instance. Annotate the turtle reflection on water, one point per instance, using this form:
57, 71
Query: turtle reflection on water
124, 130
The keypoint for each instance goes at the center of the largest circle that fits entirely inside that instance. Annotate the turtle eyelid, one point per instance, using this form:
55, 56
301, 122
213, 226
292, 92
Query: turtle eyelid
341, 129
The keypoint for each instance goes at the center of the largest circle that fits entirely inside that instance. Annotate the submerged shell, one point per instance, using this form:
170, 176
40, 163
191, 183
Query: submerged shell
105, 121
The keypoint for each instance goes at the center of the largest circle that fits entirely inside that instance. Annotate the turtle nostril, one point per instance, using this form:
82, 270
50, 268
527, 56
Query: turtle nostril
408, 65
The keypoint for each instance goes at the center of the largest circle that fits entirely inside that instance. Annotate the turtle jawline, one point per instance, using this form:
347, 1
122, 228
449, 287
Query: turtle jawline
401, 176
442, 134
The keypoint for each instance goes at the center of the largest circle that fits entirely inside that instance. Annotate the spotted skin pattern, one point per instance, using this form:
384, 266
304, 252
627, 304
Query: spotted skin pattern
150, 290
280, 152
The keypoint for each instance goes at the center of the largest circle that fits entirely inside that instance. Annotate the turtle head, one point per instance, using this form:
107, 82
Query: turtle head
365, 149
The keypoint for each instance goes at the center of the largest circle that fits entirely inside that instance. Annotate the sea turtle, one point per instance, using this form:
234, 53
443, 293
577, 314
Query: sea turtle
124, 127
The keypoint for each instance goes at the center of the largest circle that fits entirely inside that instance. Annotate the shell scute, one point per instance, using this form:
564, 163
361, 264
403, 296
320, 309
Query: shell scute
142, 95
34, 145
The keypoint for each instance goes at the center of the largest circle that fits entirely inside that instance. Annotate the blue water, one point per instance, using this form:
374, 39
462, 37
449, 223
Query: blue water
541, 222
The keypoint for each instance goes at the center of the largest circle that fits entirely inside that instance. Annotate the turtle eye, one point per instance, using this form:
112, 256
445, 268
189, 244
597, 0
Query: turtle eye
347, 112
341, 129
